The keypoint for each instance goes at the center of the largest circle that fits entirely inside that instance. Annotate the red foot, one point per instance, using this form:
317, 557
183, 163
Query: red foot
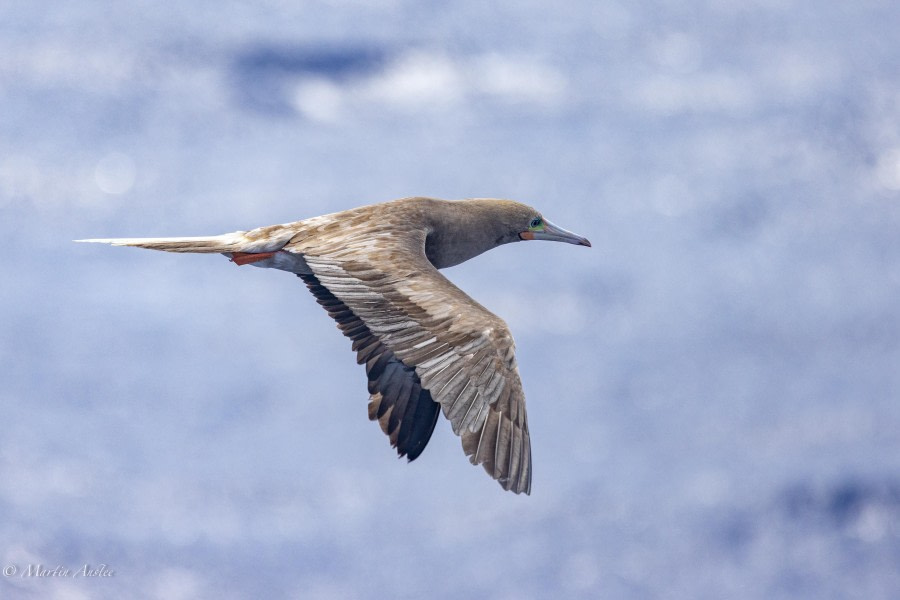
246, 258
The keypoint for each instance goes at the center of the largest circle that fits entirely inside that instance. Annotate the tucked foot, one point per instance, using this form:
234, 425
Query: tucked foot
246, 258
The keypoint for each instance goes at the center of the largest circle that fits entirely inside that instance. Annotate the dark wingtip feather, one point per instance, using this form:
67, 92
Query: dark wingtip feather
422, 422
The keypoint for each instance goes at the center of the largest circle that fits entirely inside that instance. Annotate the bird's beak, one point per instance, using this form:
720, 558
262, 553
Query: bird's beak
554, 233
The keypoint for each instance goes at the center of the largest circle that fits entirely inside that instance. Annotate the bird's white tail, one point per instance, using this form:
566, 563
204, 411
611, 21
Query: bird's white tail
263, 239
212, 243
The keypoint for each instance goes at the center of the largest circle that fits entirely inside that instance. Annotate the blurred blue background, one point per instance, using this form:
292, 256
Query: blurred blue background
712, 388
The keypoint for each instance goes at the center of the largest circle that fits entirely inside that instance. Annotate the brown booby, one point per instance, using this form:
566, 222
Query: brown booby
427, 346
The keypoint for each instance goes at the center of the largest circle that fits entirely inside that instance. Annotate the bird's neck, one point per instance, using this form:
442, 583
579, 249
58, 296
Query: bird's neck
459, 231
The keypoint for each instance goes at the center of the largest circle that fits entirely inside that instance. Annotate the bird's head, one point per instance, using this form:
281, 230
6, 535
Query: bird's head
462, 229
523, 222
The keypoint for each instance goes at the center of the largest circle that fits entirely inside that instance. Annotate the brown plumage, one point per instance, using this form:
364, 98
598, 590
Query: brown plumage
426, 345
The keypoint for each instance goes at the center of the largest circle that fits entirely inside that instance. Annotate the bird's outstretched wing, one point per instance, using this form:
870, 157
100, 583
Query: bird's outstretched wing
424, 341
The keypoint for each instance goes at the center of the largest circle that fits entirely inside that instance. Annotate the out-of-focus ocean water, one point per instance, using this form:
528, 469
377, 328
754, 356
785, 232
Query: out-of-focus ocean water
712, 388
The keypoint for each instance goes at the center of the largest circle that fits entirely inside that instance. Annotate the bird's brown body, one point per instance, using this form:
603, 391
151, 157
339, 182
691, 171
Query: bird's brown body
427, 346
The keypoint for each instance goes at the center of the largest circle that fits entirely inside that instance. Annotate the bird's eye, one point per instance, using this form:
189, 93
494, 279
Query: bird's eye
536, 223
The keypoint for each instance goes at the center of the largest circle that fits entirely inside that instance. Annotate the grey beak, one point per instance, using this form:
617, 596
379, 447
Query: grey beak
554, 233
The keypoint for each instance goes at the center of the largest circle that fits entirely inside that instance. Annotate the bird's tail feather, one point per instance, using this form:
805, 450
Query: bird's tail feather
213, 243
264, 239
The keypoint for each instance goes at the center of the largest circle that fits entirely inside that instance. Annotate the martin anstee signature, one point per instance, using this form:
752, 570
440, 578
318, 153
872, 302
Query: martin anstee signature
39, 570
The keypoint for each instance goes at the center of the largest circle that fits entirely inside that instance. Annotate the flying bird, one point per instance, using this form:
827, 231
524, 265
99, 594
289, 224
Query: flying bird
427, 346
